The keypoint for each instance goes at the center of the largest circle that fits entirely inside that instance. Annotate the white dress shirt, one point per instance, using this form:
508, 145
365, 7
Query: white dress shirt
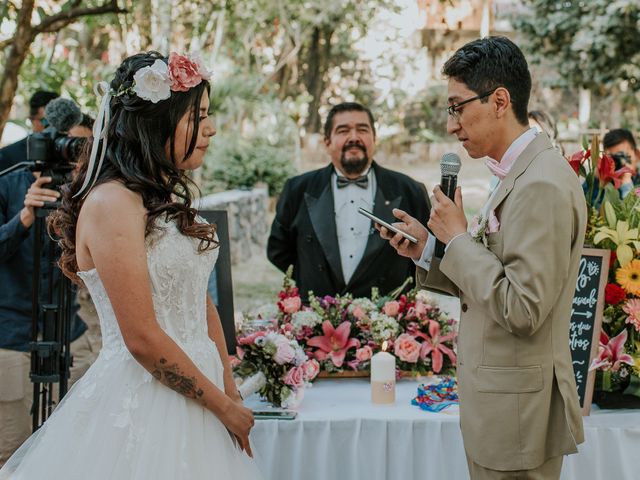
353, 229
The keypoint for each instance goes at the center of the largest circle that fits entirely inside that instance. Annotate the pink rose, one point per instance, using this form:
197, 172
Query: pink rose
183, 72
359, 313
251, 338
234, 361
295, 377
311, 369
291, 304
284, 352
391, 308
239, 353
407, 348
363, 354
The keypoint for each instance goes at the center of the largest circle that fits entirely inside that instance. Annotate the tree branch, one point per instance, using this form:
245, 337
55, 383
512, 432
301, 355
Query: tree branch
55, 22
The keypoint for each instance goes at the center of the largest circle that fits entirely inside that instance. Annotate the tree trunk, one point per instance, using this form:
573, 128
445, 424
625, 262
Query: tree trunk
317, 61
143, 15
161, 28
13, 61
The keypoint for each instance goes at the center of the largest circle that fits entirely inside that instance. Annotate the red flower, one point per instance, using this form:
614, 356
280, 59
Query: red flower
607, 172
612, 259
577, 159
614, 294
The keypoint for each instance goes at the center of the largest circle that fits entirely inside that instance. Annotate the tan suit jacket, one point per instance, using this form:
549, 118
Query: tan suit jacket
518, 400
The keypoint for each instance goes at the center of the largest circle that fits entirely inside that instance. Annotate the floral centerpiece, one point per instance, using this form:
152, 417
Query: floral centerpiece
614, 224
342, 333
279, 358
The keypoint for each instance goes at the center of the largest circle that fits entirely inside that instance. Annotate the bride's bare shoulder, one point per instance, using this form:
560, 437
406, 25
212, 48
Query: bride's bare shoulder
112, 198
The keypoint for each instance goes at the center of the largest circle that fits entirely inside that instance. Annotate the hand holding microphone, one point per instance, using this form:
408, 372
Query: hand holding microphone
447, 217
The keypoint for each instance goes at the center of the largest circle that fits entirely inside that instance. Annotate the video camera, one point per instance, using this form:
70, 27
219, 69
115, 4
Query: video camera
620, 159
52, 151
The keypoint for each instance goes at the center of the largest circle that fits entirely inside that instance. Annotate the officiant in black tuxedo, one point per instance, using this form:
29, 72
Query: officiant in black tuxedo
317, 228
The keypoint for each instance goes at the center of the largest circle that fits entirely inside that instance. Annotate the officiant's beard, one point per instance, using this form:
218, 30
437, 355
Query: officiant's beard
354, 165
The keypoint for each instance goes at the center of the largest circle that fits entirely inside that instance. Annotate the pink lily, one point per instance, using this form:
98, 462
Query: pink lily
434, 345
611, 353
334, 343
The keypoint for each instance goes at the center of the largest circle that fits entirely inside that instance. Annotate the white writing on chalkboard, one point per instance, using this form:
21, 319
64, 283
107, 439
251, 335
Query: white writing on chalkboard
583, 316
589, 301
587, 270
575, 340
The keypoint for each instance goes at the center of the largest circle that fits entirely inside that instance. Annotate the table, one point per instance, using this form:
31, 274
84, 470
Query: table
340, 434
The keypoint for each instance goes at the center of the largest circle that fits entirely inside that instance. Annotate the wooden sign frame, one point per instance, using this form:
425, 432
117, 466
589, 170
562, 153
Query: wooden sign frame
597, 323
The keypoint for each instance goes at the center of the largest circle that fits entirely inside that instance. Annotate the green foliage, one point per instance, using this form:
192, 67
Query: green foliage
426, 117
237, 162
256, 141
590, 44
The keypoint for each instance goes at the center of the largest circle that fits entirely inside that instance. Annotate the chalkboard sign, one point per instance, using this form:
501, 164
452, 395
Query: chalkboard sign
586, 318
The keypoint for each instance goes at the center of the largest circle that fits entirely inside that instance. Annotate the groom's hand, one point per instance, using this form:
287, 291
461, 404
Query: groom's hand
409, 225
447, 218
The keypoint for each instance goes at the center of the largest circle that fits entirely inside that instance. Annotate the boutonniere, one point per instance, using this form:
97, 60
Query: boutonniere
481, 226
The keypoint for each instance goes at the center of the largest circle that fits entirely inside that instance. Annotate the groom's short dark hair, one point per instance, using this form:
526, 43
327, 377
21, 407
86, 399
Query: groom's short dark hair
491, 62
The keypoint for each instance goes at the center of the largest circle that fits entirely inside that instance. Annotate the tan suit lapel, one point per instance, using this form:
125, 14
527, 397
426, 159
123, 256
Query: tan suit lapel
537, 145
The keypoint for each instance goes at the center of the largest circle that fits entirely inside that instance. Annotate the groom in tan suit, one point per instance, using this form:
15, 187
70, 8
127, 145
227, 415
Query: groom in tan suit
515, 272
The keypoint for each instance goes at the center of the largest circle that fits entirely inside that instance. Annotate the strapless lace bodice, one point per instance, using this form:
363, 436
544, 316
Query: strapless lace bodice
179, 276
118, 421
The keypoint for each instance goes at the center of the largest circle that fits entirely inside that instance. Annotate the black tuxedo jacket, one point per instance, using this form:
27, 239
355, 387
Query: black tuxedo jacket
304, 235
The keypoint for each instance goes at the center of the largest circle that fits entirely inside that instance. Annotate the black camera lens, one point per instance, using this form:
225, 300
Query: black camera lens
620, 159
68, 148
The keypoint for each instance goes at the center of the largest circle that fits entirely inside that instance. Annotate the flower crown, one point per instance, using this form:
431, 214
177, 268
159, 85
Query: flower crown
156, 82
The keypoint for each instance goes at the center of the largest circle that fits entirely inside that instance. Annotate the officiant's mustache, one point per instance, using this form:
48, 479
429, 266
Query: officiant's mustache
350, 145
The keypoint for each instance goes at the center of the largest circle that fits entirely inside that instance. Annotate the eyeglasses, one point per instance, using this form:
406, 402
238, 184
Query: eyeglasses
453, 110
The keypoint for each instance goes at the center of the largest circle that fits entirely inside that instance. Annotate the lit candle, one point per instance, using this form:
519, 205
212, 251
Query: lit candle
383, 377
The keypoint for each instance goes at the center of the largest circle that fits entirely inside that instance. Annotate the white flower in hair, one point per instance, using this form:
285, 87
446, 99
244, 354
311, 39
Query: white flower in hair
153, 83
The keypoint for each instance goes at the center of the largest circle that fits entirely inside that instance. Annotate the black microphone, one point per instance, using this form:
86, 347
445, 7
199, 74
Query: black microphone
62, 114
449, 168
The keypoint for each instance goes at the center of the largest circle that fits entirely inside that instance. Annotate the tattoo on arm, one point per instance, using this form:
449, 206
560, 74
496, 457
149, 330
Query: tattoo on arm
172, 377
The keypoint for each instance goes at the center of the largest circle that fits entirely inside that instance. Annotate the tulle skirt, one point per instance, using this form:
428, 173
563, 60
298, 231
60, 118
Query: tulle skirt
119, 423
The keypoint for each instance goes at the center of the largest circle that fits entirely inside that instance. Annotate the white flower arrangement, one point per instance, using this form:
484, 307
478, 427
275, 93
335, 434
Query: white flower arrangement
383, 327
305, 318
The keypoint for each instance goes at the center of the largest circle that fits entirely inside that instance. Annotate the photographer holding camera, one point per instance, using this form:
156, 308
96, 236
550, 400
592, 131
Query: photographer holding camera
21, 193
17, 152
620, 144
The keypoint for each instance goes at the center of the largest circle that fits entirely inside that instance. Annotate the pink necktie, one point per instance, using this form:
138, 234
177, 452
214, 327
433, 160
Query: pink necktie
496, 169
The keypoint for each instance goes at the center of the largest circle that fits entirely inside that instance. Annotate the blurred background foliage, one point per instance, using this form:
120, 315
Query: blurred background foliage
281, 64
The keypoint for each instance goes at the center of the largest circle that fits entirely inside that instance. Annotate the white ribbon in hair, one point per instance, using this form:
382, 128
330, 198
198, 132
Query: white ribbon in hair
100, 128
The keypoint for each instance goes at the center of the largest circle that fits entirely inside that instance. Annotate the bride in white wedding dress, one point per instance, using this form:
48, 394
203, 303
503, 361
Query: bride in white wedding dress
160, 402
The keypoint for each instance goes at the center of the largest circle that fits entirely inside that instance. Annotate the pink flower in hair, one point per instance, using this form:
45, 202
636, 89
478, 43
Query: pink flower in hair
184, 73
204, 72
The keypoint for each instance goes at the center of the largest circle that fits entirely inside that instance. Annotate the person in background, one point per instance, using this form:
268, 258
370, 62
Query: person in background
543, 123
620, 144
317, 227
17, 152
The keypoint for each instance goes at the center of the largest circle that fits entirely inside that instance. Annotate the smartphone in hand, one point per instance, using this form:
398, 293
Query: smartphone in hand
386, 225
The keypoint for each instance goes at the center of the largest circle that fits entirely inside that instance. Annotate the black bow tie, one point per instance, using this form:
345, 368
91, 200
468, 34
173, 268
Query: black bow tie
362, 181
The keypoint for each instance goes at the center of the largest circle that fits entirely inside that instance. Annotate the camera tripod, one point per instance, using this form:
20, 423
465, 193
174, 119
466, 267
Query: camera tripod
50, 324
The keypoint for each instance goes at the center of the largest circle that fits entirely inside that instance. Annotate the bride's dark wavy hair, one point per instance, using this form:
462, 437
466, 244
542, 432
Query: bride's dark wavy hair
136, 138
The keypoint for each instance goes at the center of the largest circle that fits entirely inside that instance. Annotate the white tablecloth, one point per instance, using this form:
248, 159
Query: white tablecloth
340, 434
